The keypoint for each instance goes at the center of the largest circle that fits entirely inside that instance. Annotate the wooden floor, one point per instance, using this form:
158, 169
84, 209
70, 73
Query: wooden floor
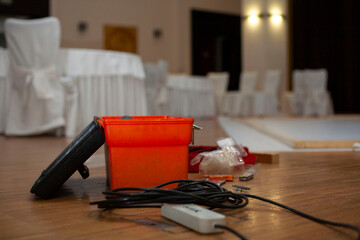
323, 184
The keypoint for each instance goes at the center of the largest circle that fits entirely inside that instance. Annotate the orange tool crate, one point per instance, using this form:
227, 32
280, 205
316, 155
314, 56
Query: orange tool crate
146, 151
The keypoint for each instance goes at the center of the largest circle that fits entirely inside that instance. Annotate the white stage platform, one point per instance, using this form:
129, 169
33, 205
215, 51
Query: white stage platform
294, 134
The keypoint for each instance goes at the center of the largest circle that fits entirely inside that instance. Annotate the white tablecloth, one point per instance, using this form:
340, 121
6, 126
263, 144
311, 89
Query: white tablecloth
190, 96
100, 82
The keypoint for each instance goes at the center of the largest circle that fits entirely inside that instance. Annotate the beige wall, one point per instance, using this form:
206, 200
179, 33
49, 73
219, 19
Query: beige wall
265, 44
172, 16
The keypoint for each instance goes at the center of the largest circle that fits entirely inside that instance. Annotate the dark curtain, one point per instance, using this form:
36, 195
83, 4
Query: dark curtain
326, 34
216, 44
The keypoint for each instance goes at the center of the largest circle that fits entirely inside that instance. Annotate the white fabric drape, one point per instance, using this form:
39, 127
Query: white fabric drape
220, 81
318, 101
4, 87
266, 102
156, 75
94, 82
39, 79
299, 92
152, 87
240, 103
36, 101
91, 62
108, 83
190, 96
310, 96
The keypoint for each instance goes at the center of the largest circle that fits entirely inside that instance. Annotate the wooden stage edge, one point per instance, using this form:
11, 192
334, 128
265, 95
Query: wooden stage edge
267, 157
300, 144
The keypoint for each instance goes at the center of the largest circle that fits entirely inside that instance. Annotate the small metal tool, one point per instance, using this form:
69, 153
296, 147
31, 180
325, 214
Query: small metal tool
195, 127
240, 188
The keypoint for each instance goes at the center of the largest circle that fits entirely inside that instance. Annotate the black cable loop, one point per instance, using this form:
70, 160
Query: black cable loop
203, 193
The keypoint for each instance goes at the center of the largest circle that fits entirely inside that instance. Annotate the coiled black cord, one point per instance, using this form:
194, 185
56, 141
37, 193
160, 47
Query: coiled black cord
197, 192
203, 193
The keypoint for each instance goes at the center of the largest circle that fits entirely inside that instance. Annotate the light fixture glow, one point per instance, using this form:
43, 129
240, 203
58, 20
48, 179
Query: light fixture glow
276, 18
253, 19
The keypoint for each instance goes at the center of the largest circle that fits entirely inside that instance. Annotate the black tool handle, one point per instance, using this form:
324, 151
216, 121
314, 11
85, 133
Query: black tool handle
71, 159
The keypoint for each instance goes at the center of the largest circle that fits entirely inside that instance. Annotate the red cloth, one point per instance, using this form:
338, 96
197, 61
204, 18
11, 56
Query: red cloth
195, 150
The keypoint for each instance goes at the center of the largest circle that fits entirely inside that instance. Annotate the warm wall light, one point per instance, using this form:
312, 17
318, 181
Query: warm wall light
276, 18
253, 18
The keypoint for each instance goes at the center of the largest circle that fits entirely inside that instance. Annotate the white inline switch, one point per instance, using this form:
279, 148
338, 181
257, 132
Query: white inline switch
194, 217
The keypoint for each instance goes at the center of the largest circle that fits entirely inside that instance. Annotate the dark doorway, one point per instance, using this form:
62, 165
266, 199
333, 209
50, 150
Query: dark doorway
326, 34
29, 9
21, 9
216, 44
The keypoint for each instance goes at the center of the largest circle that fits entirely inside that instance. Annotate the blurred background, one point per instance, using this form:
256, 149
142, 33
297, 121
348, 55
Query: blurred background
196, 36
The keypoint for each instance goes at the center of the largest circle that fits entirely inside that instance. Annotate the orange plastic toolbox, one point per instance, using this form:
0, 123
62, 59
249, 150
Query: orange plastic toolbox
146, 151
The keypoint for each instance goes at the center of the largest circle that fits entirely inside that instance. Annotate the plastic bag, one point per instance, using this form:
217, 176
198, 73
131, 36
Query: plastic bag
225, 161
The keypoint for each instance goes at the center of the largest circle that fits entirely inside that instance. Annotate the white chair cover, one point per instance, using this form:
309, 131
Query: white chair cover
318, 101
4, 87
162, 94
190, 96
299, 92
266, 102
36, 103
152, 86
240, 102
71, 108
310, 96
220, 81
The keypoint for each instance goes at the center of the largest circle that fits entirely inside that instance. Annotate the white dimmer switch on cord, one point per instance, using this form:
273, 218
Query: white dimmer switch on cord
194, 217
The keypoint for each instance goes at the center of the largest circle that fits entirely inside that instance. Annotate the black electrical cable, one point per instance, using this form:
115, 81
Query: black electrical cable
197, 192
203, 193
230, 230
302, 214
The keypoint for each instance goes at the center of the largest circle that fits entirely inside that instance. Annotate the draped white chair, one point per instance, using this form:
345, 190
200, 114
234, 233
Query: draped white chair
239, 103
152, 75
36, 102
318, 101
190, 96
156, 75
220, 81
299, 94
4, 87
266, 102
163, 93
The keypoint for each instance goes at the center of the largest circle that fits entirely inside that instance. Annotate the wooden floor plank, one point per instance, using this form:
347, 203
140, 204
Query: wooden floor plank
324, 184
